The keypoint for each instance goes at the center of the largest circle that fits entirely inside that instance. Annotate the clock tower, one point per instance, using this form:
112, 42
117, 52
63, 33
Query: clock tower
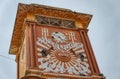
52, 43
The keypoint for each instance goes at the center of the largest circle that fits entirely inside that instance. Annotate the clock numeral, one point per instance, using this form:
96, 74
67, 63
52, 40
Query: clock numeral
71, 36
45, 32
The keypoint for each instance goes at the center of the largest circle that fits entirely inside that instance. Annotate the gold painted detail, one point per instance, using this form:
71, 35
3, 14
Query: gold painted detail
63, 56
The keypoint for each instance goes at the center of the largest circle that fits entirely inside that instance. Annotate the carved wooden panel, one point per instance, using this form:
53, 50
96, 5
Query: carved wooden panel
55, 21
61, 51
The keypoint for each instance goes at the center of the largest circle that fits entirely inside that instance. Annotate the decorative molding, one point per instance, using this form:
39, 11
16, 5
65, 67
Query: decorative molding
38, 73
50, 21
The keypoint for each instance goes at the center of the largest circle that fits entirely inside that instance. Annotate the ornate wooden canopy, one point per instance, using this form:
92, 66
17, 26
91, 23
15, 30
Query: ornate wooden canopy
25, 9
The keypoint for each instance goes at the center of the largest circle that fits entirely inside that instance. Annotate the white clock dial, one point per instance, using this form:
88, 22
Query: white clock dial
58, 36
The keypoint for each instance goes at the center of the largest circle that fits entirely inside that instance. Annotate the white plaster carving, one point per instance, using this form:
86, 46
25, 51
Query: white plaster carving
50, 63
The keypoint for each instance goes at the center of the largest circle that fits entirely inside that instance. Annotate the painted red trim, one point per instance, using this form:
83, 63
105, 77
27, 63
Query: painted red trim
93, 59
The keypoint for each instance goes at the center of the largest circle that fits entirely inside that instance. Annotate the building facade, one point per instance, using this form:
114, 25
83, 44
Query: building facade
52, 43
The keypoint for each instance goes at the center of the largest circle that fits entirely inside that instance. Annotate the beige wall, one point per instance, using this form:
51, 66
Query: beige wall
22, 60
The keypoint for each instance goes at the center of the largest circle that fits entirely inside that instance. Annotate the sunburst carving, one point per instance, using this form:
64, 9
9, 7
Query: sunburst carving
62, 61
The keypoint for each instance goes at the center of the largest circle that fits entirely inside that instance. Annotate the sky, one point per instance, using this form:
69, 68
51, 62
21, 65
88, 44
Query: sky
104, 32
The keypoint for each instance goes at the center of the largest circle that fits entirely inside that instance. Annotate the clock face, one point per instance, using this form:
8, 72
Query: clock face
58, 36
61, 51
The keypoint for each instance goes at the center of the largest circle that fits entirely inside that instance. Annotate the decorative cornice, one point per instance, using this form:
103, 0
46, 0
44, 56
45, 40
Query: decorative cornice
54, 12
